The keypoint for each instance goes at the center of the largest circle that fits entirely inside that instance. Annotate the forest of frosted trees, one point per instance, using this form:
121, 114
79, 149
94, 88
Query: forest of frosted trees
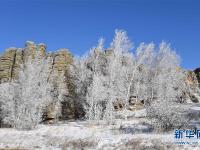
101, 77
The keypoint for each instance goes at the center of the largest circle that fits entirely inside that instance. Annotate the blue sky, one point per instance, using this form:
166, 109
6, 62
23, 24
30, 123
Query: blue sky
78, 24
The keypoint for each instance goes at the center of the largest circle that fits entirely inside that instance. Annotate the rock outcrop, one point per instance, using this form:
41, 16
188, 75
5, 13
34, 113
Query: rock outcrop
11, 60
192, 93
59, 61
197, 72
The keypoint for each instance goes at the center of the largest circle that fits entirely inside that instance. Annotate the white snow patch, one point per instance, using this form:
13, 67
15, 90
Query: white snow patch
98, 136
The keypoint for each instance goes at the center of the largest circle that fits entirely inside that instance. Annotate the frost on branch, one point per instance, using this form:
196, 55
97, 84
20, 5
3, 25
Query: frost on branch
95, 99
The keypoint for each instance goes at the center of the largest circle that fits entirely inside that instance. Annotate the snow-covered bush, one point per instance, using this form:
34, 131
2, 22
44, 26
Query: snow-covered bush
167, 115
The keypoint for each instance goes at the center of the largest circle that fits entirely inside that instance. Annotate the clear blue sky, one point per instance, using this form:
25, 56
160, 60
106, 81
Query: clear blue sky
78, 24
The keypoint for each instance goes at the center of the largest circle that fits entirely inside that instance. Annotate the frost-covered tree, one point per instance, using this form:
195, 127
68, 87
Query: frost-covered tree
104, 76
112, 66
168, 83
119, 63
84, 70
141, 72
96, 91
169, 79
8, 102
95, 98
24, 101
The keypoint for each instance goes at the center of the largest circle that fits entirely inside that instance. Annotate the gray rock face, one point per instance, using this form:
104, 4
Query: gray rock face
197, 72
192, 95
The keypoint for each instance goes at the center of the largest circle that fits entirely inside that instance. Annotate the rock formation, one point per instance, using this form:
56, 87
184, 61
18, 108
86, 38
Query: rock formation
135, 103
197, 72
192, 93
11, 60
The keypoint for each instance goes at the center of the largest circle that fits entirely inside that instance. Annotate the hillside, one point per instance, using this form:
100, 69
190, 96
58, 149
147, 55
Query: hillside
111, 98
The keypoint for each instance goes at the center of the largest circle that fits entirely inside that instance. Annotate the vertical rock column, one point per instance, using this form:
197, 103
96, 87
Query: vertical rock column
60, 77
61, 63
197, 72
7, 65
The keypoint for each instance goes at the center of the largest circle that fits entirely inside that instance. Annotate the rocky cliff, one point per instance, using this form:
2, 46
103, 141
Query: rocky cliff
11, 60
60, 60
192, 93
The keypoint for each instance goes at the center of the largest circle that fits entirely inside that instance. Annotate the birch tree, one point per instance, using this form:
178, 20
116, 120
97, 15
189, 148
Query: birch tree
118, 72
87, 72
169, 78
140, 76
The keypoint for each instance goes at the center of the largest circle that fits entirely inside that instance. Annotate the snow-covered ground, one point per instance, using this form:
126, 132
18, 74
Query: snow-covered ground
83, 135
